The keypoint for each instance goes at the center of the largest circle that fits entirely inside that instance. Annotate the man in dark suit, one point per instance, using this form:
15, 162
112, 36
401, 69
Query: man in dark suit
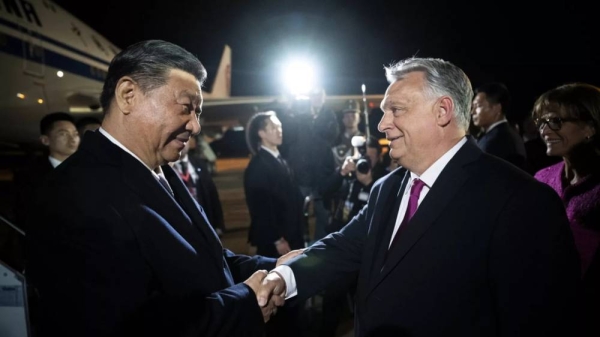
452, 243
274, 199
60, 138
490, 107
275, 205
118, 246
194, 174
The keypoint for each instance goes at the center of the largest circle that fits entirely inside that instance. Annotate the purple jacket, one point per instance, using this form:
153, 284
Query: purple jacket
582, 202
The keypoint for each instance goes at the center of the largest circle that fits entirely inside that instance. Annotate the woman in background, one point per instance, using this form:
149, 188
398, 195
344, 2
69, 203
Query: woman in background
568, 119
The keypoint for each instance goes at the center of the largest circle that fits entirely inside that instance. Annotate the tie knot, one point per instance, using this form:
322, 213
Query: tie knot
417, 187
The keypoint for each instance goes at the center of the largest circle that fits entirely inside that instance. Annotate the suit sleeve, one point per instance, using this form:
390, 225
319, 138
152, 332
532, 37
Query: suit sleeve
233, 311
534, 267
243, 266
94, 283
260, 200
336, 257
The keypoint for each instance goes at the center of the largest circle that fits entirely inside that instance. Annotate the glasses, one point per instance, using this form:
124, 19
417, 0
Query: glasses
554, 123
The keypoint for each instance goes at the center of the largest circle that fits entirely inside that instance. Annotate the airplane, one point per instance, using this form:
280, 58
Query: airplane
52, 61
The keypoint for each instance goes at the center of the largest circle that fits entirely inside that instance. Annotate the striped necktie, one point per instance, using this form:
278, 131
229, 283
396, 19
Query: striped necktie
165, 184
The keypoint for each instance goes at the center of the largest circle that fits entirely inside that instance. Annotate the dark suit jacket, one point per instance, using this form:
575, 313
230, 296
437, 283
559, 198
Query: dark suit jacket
488, 253
111, 252
504, 142
274, 202
27, 180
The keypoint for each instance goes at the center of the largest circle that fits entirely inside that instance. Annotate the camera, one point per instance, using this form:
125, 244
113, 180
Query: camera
363, 164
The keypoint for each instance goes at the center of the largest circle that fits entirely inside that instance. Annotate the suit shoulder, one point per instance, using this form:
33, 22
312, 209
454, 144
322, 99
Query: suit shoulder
501, 173
398, 173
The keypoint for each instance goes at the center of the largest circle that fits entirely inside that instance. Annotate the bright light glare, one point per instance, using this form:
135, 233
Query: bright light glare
60, 73
299, 77
40, 101
20, 95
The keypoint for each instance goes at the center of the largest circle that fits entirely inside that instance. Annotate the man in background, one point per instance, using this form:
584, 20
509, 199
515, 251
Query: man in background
490, 107
60, 139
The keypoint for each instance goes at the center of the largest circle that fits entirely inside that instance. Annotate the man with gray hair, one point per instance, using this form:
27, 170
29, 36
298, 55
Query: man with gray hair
454, 242
117, 245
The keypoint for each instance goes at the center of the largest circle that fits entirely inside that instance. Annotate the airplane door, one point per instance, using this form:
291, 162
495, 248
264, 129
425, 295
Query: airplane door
33, 53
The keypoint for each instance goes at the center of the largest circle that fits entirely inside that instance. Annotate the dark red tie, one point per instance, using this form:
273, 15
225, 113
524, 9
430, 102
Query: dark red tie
185, 175
411, 209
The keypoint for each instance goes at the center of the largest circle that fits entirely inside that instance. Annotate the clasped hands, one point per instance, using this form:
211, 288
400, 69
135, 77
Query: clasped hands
270, 287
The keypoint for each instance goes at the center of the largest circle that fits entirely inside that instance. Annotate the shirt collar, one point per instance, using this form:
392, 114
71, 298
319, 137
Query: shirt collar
433, 172
274, 153
158, 172
496, 124
54, 162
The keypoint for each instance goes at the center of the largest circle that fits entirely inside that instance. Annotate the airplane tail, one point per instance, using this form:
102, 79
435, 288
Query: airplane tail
221, 87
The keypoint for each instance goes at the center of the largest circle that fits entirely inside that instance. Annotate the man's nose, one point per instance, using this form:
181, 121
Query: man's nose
384, 123
194, 124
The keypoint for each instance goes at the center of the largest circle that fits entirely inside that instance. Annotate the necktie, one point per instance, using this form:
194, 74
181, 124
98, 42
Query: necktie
282, 162
411, 209
165, 184
185, 175
184, 167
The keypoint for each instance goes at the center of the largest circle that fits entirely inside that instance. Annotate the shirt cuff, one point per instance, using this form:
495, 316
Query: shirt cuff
289, 279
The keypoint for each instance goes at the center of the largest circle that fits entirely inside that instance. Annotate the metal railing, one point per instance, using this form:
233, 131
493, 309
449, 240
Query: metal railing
12, 225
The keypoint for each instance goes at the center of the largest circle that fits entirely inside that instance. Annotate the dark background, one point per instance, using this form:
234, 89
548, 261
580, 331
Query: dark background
530, 46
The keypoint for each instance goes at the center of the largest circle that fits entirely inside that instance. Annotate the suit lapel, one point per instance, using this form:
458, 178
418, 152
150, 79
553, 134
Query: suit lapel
152, 194
194, 211
273, 163
445, 189
389, 221
384, 204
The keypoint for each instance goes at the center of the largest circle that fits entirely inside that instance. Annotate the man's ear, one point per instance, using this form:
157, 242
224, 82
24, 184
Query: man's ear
45, 140
261, 134
125, 92
444, 110
497, 108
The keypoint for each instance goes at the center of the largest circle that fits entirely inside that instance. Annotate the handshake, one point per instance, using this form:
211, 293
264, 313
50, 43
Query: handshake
270, 288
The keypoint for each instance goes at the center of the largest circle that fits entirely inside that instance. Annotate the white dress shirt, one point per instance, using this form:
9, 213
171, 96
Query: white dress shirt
158, 172
53, 161
428, 177
274, 153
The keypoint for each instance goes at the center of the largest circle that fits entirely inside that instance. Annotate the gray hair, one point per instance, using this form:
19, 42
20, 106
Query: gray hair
443, 79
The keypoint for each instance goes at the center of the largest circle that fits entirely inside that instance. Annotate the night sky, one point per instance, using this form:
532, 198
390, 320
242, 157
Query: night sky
531, 49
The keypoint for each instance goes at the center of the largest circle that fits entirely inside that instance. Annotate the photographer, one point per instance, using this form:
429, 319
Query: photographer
357, 175
351, 187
